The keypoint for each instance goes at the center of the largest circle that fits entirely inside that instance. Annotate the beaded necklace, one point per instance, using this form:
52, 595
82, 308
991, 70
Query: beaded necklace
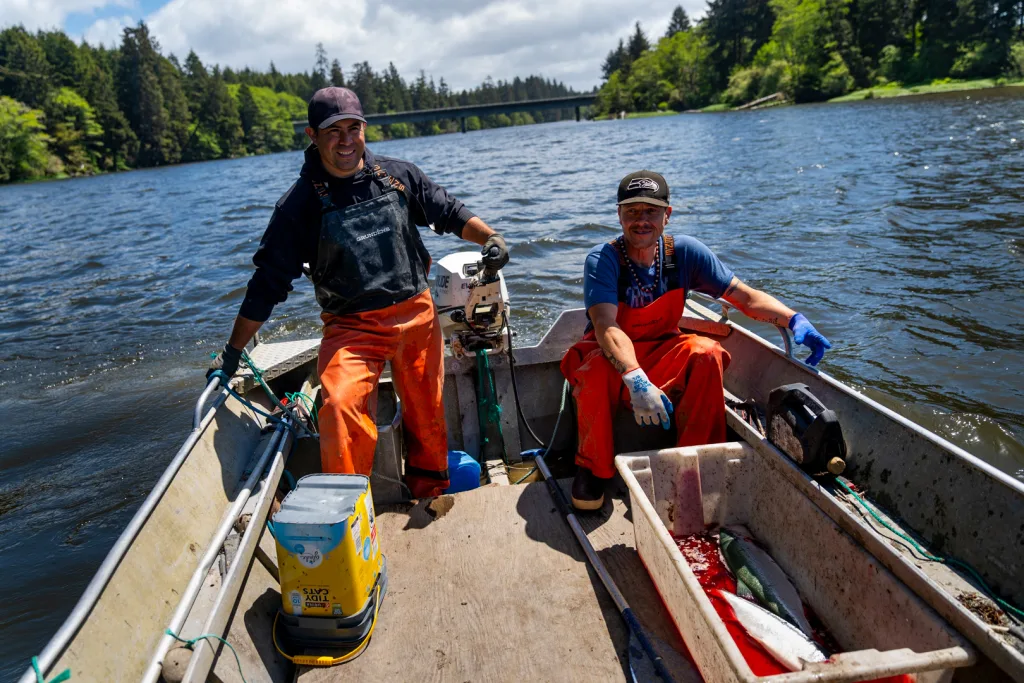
646, 289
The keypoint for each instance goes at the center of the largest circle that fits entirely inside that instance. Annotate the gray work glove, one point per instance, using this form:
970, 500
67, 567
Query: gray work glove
226, 361
495, 252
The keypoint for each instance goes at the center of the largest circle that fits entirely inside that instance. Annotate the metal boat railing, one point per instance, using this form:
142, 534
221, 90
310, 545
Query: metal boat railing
279, 442
51, 653
787, 341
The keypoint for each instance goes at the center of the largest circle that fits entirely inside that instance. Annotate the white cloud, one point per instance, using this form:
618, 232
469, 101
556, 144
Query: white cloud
44, 14
463, 41
108, 31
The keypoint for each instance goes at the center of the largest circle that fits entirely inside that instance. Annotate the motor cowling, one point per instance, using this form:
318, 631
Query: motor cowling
470, 308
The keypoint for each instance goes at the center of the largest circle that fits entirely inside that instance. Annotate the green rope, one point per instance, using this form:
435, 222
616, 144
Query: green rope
935, 558
488, 409
64, 675
258, 374
205, 636
297, 396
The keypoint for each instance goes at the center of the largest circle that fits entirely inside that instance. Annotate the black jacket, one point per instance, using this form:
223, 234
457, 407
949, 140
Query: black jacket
292, 237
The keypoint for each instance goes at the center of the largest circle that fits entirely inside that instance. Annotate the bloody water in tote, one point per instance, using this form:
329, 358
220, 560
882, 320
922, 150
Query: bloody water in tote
701, 552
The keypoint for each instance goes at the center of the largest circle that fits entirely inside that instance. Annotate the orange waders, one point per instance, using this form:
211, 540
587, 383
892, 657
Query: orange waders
371, 280
352, 356
687, 367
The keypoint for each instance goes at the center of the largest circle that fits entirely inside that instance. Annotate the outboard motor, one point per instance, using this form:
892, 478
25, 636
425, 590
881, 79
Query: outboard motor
472, 303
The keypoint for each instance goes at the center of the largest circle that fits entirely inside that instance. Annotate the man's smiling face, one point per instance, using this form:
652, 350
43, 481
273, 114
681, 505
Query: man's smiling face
341, 146
642, 224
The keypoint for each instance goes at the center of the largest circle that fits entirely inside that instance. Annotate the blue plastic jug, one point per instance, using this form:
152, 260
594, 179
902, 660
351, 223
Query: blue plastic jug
463, 472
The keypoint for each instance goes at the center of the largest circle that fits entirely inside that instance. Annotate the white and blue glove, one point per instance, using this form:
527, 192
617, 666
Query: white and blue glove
650, 404
804, 333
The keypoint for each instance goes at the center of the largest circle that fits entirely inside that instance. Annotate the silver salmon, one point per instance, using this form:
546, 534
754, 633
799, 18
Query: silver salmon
758, 576
780, 638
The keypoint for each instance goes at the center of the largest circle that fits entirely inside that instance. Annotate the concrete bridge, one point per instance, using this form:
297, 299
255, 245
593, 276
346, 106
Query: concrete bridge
462, 113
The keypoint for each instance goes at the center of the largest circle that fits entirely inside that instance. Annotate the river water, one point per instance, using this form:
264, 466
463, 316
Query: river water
895, 226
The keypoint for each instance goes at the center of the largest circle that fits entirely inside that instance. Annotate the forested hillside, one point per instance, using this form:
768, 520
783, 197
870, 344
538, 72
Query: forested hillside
811, 50
71, 109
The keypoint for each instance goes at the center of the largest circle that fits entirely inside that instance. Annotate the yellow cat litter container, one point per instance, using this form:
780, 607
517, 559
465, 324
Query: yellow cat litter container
333, 575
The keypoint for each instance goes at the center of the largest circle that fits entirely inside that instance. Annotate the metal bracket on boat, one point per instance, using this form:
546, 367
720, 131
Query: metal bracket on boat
787, 342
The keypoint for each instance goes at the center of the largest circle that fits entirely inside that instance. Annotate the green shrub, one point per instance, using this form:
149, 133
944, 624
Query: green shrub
977, 61
399, 131
75, 135
1015, 62
835, 77
776, 78
744, 86
891, 65
23, 151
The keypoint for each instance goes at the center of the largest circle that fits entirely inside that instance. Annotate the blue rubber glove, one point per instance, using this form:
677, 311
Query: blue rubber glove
804, 333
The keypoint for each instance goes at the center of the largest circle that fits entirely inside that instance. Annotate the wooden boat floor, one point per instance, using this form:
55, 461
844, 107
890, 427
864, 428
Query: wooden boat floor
491, 585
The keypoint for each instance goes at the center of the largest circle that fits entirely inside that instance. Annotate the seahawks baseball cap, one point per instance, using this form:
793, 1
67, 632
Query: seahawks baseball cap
644, 186
333, 104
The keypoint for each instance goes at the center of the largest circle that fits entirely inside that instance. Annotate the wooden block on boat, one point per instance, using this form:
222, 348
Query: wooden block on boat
703, 326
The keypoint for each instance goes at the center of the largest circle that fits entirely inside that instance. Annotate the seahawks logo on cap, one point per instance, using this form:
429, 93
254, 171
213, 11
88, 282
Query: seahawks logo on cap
642, 184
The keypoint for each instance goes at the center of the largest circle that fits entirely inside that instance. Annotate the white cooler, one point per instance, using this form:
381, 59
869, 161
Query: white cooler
883, 627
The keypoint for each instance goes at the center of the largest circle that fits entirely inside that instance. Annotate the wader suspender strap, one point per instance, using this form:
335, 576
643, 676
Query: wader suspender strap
386, 182
669, 265
325, 196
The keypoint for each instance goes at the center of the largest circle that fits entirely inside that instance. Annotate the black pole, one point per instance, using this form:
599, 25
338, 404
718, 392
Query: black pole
634, 627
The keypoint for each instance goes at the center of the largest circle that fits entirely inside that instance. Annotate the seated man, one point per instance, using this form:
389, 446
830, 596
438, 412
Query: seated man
634, 289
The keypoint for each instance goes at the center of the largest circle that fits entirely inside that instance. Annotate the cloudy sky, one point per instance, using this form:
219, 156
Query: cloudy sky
463, 41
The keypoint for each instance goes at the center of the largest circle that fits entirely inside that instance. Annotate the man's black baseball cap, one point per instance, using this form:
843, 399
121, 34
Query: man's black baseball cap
644, 186
333, 104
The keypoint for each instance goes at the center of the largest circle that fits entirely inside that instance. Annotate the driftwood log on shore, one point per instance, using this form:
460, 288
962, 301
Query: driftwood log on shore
777, 97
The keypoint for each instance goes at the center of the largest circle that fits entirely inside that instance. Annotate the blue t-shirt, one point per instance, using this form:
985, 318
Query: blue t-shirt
698, 269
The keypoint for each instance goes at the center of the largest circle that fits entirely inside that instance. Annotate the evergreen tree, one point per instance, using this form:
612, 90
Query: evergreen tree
618, 59
176, 105
24, 71
318, 79
196, 84
97, 86
638, 44
680, 22
337, 77
252, 124
736, 30
363, 84
62, 55
222, 113
140, 95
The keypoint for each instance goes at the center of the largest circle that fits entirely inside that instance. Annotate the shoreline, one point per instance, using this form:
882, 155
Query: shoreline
892, 90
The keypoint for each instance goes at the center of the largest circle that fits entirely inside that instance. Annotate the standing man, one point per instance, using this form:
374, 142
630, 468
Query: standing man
352, 216
634, 353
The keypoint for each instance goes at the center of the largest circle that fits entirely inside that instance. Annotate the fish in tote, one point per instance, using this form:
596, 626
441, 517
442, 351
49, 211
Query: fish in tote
758, 577
782, 640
